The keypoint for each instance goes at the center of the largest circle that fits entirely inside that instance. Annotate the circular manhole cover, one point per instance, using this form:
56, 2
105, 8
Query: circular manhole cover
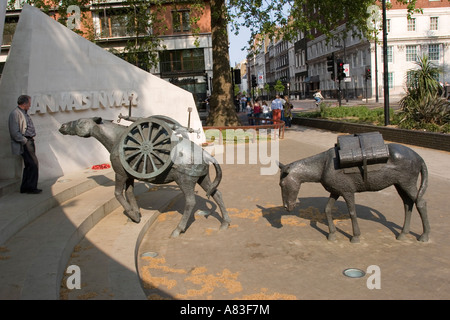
354, 273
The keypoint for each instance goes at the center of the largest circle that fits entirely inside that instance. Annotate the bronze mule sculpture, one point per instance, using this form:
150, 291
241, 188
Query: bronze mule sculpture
185, 175
402, 170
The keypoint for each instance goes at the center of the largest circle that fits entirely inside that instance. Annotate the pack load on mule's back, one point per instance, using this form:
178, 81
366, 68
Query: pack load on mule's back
361, 149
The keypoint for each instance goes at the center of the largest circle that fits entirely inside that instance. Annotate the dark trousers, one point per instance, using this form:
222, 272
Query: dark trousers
31, 170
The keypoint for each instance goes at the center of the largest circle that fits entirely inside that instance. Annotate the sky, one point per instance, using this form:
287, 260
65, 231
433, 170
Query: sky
236, 44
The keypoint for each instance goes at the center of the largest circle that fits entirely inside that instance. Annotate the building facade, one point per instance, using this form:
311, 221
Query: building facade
302, 64
185, 50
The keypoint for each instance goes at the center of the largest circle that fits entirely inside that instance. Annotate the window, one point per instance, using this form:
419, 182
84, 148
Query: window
411, 53
434, 23
390, 80
390, 57
178, 61
411, 24
409, 78
181, 21
433, 51
9, 29
113, 24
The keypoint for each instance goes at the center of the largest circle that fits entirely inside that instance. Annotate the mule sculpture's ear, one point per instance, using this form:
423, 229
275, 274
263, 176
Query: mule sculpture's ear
97, 120
280, 165
284, 168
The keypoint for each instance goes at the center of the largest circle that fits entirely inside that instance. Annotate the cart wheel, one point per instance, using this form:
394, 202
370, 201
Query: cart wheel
144, 150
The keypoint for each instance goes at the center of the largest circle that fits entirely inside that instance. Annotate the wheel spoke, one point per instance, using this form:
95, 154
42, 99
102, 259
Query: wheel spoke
141, 132
153, 163
157, 157
132, 155
144, 168
129, 135
132, 147
136, 164
165, 140
158, 134
150, 132
166, 151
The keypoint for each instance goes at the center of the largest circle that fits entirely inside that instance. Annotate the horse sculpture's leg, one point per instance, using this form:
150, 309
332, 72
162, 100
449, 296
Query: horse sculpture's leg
331, 226
205, 183
134, 215
187, 186
350, 200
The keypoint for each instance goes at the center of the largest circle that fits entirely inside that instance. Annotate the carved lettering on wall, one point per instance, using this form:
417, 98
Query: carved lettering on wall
84, 100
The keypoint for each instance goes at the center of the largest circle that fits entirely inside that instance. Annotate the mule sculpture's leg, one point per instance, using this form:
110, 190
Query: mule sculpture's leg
421, 206
129, 195
130, 212
331, 226
408, 204
187, 186
350, 200
410, 191
205, 183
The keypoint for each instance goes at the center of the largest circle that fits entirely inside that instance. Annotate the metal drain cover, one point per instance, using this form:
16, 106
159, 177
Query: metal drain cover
354, 273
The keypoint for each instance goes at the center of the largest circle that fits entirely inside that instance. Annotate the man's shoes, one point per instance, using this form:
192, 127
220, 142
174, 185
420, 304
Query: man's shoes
34, 191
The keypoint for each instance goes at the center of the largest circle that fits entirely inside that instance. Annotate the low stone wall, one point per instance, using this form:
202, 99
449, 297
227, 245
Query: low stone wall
439, 141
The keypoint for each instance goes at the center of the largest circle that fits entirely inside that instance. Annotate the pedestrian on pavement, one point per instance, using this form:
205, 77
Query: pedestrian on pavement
22, 133
277, 107
288, 113
266, 112
243, 103
283, 100
249, 110
318, 97
257, 110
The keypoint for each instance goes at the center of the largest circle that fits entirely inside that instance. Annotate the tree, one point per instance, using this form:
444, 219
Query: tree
279, 86
222, 112
267, 89
143, 21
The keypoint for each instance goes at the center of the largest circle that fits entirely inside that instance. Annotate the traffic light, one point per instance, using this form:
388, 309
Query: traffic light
254, 84
368, 74
330, 65
237, 76
340, 69
205, 78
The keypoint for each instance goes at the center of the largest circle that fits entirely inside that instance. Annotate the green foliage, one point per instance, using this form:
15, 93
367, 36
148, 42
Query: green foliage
279, 87
363, 114
360, 114
423, 104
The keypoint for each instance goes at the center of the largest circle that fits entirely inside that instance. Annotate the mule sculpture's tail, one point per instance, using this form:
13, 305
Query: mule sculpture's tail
423, 181
210, 159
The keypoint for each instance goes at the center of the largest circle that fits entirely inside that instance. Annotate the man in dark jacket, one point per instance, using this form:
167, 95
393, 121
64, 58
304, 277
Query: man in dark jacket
22, 132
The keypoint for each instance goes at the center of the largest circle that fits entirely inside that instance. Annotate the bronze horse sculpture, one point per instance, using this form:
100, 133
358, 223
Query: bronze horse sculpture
402, 169
186, 174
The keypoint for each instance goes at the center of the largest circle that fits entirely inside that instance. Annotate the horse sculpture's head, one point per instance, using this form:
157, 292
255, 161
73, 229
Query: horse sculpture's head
290, 186
80, 127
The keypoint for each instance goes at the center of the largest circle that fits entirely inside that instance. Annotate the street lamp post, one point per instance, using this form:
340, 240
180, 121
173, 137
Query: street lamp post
385, 67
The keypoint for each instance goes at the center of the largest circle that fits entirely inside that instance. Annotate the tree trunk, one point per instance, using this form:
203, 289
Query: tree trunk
222, 109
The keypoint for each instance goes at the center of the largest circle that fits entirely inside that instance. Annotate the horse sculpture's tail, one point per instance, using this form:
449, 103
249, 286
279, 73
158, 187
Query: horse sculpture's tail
423, 181
210, 159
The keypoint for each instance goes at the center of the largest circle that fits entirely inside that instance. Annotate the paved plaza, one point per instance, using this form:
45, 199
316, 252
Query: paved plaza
269, 253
